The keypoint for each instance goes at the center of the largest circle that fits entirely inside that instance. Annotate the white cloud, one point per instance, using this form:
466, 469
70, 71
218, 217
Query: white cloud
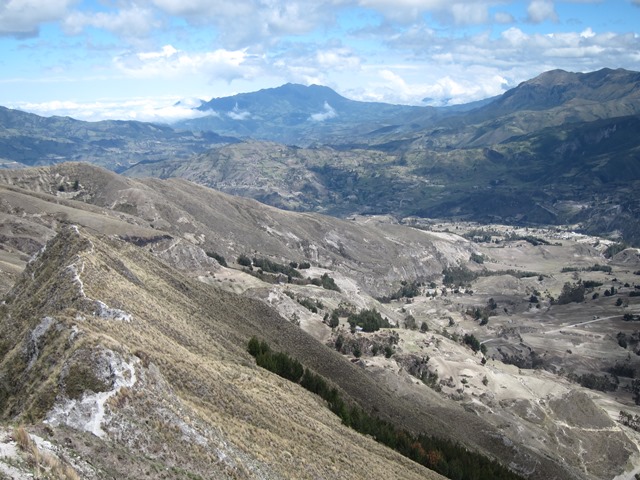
503, 17
237, 114
170, 62
159, 110
310, 63
130, 22
22, 18
405, 85
539, 11
327, 112
470, 13
243, 22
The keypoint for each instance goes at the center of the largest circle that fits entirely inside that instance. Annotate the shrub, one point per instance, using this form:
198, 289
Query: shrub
219, 258
328, 283
311, 304
571, 293
458, 276
613, 249
273, 267
472, 341
478, 258
410, 322
334, 320
368, 320
244, 260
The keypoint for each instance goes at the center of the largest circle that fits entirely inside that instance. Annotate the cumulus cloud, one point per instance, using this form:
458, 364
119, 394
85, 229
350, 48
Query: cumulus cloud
309, 63
243, 22
539, 11
130, 22
439, 89
503, 17
22, 18
170, 62
327, 113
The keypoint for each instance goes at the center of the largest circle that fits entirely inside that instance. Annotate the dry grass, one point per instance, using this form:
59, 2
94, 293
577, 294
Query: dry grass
44, 464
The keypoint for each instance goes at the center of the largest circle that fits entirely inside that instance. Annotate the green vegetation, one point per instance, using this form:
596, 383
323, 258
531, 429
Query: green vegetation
535, 241
458, 276
513, 273
630, 420
406, 290
477, 257
310, 304
368, 320
614, 249
474, 343
481, 235
244, 261
276, 362
594, 268
334, 320
443, 456
603, 383
326, 282
571, 293
410, 322
219, 258
267, 265
80, 378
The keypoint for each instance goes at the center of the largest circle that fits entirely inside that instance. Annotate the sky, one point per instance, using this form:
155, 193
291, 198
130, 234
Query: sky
152, 60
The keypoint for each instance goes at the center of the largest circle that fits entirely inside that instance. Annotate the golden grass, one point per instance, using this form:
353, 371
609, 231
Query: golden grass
44, 464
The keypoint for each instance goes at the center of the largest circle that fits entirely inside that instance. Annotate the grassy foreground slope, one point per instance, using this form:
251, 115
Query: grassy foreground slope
144, 372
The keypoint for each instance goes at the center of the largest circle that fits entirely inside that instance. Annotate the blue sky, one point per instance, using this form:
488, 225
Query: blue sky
134, 59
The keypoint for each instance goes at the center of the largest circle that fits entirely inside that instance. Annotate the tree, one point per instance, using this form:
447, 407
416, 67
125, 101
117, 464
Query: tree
472, 341
571, 292
244, 260
368, 320
424, 327
410, 322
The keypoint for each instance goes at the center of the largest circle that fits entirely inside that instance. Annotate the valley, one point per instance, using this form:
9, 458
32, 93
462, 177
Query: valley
518, 396
468, 274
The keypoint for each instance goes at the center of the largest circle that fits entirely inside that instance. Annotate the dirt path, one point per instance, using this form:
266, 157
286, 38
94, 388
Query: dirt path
581, 323
557, 330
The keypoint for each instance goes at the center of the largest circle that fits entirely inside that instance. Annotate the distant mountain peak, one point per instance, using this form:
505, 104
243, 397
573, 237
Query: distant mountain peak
557, 87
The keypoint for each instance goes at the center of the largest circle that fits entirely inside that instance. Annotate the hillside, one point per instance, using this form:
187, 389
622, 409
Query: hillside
31, 140
379, 256
126, 359
580, 173
125, 285
558, 149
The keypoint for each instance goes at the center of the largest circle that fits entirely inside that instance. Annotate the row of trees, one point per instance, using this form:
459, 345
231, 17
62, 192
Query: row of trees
443, 456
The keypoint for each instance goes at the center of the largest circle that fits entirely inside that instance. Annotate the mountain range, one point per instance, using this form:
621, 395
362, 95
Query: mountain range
558, 149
